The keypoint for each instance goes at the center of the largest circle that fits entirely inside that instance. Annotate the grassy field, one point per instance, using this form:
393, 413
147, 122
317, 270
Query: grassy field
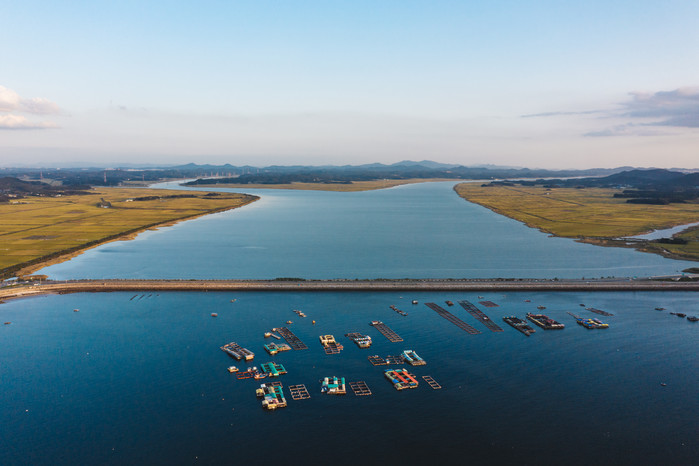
38, 229
351, 187
590, 214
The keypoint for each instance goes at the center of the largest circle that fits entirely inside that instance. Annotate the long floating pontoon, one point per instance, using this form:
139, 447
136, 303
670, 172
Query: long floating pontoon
453, 319
478, 314
385, 331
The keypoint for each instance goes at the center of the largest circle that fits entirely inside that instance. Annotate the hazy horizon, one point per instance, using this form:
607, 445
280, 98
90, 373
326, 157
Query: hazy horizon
542, 85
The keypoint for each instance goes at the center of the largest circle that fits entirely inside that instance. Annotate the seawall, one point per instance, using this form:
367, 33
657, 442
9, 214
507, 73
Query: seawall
110, 285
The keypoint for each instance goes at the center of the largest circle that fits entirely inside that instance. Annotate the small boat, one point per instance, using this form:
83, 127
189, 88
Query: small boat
288, 322
414, 301
232, 369
268, 334
8, 323
541, 307
213, 314
449, 303
232, 300
659, 308
678, 314
313, 322
527, 300
76, 310
689, 318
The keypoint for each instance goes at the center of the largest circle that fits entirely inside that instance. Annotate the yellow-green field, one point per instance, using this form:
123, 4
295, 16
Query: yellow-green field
351, 187
592, 214
38, 228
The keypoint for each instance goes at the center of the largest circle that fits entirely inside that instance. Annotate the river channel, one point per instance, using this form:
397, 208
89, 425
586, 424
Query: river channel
413, 231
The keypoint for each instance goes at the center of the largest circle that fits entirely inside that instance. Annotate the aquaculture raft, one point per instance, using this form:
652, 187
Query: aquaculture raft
545, 322
488, 304
330, 345
453, 319
273, 369
599, 311
377, 360
431, 382
385, 331
478, 314
412, 358
333, 386
273, 348
519, 324
236, 351
363, 341
360, 388
272, 396
294, 341
589, 323
401, 379
299, 392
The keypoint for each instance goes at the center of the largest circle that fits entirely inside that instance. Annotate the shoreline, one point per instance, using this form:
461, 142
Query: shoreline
39, 263
627, 241
142, 285
354, 186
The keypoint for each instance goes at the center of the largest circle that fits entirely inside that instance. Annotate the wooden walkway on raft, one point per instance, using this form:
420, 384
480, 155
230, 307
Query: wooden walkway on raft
453, 319
360, 388
432, 383
478, 314
299, 392
387, 332
294, 341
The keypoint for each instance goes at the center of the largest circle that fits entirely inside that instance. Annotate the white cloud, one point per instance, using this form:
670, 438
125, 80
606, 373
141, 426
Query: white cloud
10, 121
10, 101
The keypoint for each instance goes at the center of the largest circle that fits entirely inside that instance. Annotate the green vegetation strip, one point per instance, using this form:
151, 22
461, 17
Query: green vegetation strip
592, 215
34, 231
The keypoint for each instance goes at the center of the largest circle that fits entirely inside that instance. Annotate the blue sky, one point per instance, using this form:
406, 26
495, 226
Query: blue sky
541, 84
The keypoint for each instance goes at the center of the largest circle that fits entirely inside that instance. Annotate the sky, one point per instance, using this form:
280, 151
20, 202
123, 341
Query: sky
540, 84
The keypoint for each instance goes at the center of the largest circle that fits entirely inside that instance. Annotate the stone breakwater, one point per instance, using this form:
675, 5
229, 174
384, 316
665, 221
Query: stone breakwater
91, 286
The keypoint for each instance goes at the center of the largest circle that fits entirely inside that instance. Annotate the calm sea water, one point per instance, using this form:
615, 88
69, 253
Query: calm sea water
140, 378
416, 231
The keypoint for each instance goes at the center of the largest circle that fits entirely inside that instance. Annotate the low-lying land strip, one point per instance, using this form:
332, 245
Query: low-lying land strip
77, 286
591, 215
352, 186
36, 230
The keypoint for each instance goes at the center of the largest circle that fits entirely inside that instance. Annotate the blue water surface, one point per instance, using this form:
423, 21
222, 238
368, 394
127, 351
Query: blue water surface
140, 379
413, 231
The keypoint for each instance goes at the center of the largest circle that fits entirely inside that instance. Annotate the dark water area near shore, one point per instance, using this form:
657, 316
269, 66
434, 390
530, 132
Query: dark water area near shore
414, 231
140, 379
